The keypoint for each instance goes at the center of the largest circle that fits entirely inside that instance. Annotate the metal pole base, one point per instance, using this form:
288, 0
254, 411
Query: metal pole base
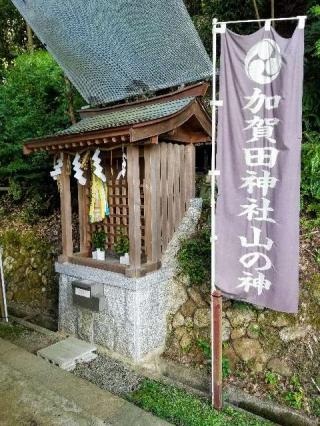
216, 347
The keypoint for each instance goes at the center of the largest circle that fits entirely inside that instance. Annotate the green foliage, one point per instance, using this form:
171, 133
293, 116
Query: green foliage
315, 403
205, 346
32, 98
12, 34
254, 330
295, 396
203, 12
271, 378
13, 240
194, 257
99, 239
122, 244
10, 331
15, 190
33, 104
34, 208
316, 255
29, 269
226, 369
310, 182
310, 175
295, 382
294, 399
311, 97
242, 306
180, 408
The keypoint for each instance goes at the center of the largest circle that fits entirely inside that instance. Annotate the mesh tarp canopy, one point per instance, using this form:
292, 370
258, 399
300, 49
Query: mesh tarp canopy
114, 49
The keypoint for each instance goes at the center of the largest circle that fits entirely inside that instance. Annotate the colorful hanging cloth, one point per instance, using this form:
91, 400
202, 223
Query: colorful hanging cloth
99, 207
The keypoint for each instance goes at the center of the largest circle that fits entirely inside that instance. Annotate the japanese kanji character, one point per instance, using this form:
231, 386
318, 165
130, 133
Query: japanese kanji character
266, 156
254, 212
249, 259
262, 128
256, 240
262, 182
260, 283
258, 100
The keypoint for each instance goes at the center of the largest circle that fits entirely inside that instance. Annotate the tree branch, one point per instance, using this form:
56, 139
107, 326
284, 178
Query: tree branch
256, 11
30, 45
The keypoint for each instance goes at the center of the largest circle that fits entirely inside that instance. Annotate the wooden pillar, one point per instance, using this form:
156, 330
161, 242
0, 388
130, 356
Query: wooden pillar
83, 219
190, 164
177, 205
164, 194
171, 211
183, 178
66, 212
152, 203
134, 202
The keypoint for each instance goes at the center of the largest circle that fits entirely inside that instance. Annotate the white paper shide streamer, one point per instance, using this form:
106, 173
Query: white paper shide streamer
78, 171
98, 170
57, 168
123, 170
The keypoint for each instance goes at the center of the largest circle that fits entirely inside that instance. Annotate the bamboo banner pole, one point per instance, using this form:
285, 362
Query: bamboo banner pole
3, 300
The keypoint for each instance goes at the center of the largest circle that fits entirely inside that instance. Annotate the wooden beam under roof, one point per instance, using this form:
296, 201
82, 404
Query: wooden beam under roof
159, 127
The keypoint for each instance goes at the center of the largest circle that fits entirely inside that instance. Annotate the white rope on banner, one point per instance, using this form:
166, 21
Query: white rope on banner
301, 20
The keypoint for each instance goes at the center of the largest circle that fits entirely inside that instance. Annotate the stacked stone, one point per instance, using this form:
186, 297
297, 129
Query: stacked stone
250, 335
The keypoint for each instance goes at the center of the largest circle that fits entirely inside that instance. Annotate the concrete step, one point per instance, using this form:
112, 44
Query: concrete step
68, 352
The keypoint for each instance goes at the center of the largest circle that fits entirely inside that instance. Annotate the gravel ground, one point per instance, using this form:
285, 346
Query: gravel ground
109, 374
30, 340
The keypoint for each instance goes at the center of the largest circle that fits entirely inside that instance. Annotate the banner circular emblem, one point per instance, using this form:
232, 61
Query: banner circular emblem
263, 61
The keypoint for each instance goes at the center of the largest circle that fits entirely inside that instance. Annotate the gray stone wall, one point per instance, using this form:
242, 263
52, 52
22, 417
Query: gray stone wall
257, 338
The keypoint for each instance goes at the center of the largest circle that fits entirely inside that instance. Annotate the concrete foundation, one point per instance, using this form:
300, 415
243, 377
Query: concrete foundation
132, 321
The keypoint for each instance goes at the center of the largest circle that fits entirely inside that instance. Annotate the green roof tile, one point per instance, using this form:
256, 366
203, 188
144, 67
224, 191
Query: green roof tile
128, 116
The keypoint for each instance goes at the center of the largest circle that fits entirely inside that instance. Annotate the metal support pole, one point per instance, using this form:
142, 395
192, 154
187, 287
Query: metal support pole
3, 300
216, 298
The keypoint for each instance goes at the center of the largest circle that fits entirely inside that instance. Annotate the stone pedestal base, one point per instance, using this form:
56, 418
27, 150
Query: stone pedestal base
132, 319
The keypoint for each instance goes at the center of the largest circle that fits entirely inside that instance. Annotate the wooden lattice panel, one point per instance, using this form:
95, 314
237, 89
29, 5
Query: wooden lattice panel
118, 220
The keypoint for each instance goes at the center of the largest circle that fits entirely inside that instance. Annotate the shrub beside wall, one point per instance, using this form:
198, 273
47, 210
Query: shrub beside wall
29, 272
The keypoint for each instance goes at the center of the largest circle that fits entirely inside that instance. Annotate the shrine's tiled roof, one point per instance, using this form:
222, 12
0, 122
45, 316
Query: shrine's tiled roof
128, 116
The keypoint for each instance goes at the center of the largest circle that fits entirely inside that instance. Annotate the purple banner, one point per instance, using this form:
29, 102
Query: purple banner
258, 155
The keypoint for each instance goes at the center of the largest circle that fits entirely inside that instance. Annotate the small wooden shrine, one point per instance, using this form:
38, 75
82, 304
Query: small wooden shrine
148, 195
